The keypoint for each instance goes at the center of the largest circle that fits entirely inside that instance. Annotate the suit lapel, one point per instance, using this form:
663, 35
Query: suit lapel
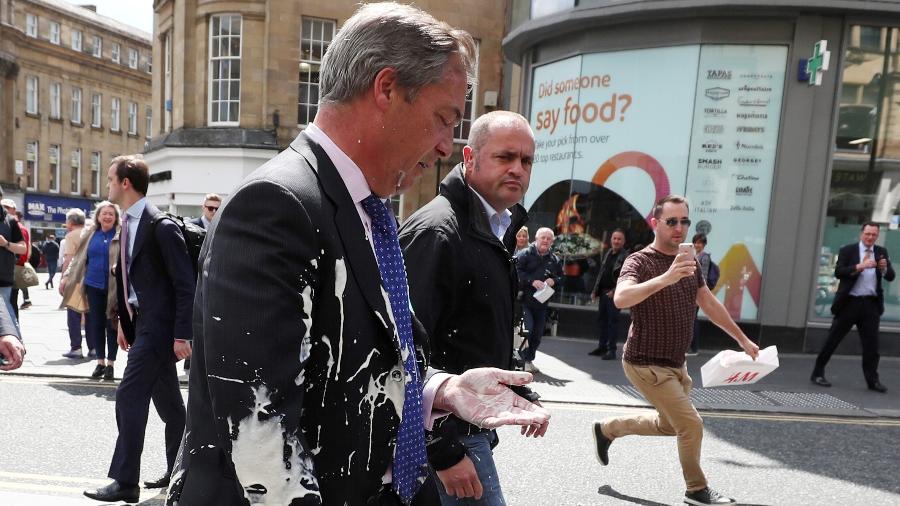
143, 229
357, 250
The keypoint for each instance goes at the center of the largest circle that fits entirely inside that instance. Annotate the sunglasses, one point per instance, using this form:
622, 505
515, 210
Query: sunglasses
671, 222
212, 209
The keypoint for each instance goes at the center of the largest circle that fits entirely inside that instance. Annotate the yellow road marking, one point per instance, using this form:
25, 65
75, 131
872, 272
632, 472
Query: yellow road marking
45, 477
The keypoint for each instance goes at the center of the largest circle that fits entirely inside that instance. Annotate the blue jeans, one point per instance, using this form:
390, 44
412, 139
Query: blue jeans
97, 327
608, 320
6, 293
535, 321
478, 448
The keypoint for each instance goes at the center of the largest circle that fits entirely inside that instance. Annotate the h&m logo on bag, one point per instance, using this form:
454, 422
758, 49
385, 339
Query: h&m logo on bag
741, 377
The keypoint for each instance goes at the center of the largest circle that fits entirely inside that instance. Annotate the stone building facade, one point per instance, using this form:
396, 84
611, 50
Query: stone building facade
74, 93
238, 81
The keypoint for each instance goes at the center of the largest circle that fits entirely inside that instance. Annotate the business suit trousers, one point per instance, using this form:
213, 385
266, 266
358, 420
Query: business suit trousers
668, 389
149, 375
607, 322
865, 313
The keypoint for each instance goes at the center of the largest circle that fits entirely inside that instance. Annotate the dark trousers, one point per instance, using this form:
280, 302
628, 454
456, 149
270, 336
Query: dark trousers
73, 321
98, 328
51, 271
149, 375
607, 323
865, 314
535, 321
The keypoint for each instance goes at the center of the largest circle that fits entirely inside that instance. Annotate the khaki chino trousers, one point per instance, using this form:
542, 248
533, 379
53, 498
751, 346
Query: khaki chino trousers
668, 390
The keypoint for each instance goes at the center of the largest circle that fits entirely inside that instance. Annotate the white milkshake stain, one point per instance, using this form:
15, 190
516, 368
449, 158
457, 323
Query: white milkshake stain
259, 456
340, 284
222, 378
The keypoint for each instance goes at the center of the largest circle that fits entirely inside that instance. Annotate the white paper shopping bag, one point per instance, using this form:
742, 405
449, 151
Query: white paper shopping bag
731, 367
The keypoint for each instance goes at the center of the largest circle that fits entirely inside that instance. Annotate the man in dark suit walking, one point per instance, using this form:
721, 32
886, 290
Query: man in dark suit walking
859, 301
306, 382
604, 287
155, 289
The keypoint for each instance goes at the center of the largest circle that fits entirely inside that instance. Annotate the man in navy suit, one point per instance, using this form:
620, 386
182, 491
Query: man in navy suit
155, 289
859, 301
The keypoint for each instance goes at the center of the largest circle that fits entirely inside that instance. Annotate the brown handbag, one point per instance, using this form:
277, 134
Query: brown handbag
25, 276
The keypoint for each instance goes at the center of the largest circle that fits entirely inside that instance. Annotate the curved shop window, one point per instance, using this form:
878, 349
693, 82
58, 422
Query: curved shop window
616, 131
865, 177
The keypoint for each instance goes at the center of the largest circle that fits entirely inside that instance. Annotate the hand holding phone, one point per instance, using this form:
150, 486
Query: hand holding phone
687, 248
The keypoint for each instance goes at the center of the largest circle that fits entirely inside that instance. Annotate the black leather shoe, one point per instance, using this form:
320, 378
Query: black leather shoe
602, 442
98, 371
610, 355
115, 491
821, 381
161, 482
878, 387
598, 351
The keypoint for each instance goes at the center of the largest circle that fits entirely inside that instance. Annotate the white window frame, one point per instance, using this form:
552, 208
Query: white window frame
116, 53
95, 173
55, 30
133, 58
167, 85
97, 110
97, 49
148, 118
56, 100
76, 39
217, 59
54, 159
316, 36
115, 114
460, 134
31, 25
76, 105
132, 118
75, 172
31, 165
32, 94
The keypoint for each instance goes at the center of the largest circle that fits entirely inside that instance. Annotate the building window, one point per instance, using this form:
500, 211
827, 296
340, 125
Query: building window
31, 95
76, 105
54, 168
114, 109
315, 36
95, 173
167, 85
132, 58
116, 52
148, 117
31, 163
55, 100
132, 118
224, 69
461, 132
31, 25
97, 49
54, 32
149, 63
96, 110
76, 40
75, 173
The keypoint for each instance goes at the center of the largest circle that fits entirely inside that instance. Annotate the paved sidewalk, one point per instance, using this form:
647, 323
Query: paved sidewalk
568, 373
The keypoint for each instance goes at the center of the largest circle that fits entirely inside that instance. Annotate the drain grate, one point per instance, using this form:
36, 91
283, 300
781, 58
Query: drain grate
716, 397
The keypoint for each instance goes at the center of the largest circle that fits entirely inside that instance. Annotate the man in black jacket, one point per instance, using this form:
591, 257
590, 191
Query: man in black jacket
608, 314
462, 280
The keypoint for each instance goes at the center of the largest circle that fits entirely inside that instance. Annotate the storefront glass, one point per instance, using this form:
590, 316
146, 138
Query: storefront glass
865, 178
616, 131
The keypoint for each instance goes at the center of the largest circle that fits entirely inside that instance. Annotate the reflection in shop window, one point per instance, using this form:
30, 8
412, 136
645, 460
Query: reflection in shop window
865, 178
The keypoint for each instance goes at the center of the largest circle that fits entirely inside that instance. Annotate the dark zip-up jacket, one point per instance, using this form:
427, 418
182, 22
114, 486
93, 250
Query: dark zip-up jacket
462, 282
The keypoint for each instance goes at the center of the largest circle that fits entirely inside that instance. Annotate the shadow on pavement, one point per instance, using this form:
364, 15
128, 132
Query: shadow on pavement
611, 492
100, 391
68, 361
550, 380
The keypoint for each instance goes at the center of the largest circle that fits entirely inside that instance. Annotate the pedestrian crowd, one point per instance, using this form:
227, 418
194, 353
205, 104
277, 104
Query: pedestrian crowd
341, 359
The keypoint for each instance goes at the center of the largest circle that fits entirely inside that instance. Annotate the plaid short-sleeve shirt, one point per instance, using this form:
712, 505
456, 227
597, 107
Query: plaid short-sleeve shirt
663, 324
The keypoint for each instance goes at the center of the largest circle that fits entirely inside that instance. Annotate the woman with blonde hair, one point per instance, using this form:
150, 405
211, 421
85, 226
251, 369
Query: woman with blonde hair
522, 242
90, 278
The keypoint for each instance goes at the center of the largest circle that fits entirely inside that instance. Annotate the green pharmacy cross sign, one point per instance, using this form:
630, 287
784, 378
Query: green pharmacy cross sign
818, 64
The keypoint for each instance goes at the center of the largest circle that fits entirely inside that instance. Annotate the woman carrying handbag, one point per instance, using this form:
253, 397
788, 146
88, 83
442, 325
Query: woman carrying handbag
89, 286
